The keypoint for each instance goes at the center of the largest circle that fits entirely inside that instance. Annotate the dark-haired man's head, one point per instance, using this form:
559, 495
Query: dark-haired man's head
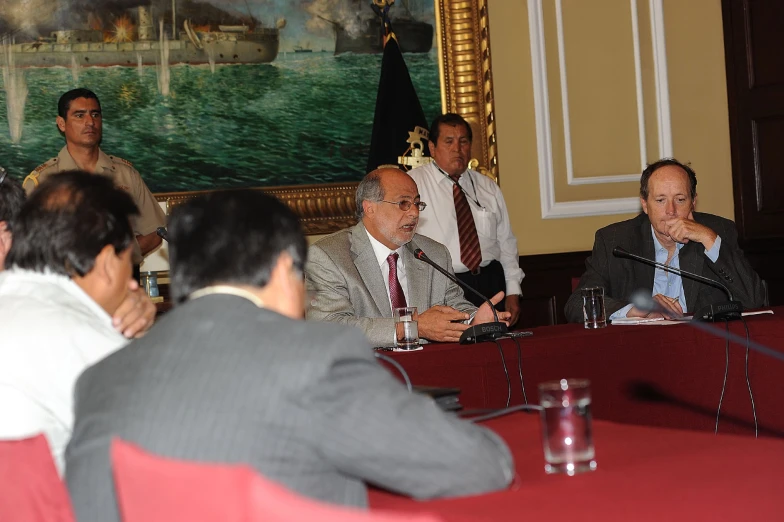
78, 225
450, 143
245, 239
79, 118
12, 197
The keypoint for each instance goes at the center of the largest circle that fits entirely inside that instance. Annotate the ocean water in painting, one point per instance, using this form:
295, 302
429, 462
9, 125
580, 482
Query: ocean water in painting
304, 118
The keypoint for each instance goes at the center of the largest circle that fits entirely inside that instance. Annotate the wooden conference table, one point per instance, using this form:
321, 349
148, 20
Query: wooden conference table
668, 376
643, 474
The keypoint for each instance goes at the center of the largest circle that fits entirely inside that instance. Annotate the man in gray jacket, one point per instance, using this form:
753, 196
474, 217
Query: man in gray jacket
234, 375
350, 273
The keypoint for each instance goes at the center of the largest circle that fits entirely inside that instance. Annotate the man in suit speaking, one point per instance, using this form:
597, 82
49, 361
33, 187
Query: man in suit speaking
357, 275
234, 375
672, 233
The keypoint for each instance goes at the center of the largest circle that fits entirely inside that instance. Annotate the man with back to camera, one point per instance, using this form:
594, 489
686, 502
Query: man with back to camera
468, 214
68, 272
80, 121
350, 273
136, 313
233, 375
671, 232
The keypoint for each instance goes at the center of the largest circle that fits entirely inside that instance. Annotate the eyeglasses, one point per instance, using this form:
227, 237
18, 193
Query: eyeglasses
3, 174
405, 205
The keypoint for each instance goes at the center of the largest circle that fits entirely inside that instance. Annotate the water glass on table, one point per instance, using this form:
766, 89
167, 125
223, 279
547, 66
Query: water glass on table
406, 329
593, 307
566, 426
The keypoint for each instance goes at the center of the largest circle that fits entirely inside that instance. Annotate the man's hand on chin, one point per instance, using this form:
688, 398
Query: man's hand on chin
685, 230
441, 324
136, 314
485, 314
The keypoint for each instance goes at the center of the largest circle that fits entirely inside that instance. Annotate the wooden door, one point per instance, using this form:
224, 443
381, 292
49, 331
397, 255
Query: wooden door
754, 53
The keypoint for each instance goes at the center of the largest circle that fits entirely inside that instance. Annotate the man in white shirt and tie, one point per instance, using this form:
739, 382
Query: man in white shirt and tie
358, 275
468, 215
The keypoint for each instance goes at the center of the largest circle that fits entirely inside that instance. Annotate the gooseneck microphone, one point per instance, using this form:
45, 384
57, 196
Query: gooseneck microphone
477, 333
642, 299
726, 311
162, 233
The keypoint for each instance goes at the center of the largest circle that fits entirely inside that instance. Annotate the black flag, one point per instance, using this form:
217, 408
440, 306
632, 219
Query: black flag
398, 110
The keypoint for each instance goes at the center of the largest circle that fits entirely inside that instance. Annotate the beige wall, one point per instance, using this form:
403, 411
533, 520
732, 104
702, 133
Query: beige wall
603, 120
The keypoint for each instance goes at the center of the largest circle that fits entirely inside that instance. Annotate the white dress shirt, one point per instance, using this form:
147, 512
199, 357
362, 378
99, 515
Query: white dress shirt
439, 220
51, 331
382, 253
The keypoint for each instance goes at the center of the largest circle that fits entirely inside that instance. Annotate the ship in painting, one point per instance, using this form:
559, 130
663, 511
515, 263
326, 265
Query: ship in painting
134, 44
413, 34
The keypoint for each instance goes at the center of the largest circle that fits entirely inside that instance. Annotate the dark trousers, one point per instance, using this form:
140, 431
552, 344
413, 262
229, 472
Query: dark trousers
489, 281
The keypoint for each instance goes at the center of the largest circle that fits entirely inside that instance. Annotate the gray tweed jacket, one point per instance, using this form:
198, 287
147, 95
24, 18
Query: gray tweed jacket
304, 403
347, 285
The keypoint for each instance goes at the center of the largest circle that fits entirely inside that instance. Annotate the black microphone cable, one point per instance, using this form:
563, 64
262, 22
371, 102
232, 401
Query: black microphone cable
506, 411
399, 368
726, 371
506, 372
520, 368
748, 381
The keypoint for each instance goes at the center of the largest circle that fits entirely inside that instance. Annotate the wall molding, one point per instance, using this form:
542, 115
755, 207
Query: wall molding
551, 208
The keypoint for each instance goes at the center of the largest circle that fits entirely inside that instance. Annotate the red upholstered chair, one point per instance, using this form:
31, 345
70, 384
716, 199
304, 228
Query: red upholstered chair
156, 489
31, 490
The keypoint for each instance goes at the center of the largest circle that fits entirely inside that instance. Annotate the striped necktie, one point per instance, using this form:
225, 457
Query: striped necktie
470, 252
396, 294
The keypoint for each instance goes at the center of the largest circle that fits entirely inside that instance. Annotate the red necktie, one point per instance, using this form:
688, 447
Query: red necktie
470, 253
396, 294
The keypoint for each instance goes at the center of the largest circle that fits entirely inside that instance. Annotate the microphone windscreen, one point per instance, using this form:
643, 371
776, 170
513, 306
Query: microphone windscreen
642, 300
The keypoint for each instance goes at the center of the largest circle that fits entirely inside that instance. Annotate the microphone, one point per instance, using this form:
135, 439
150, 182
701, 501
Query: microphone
726, 311
477, 333
162, 233
643, 300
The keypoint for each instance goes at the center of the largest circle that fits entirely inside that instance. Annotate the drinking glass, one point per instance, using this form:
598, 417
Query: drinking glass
593, 307
566, 426
406, 329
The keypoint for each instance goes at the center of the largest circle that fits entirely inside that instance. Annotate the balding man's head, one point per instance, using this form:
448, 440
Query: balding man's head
77, 224
388, 205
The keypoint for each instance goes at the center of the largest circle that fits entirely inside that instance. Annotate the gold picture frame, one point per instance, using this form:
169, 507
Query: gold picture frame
462, 28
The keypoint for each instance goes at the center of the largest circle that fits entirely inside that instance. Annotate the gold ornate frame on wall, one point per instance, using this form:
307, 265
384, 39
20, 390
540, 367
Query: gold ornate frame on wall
466, 88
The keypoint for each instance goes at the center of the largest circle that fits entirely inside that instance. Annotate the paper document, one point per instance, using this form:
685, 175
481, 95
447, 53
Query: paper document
625, 321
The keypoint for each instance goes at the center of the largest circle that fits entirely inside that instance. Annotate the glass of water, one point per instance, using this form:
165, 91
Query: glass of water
566, 426
593, 307
406, 329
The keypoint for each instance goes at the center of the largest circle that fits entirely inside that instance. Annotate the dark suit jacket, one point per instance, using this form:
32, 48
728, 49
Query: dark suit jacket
347, 285
621, 277
304, 403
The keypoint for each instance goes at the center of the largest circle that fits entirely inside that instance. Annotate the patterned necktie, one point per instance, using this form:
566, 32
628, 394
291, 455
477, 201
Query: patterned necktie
396, 294
470, 253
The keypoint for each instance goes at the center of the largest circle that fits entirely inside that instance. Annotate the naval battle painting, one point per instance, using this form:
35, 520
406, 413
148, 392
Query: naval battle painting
209, 95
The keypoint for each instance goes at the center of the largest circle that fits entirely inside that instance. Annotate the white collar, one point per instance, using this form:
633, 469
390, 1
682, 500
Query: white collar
382, 252
444, 176
23, 275
227, 290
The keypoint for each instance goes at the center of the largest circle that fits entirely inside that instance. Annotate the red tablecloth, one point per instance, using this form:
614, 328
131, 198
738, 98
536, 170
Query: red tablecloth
643, 474
652, 375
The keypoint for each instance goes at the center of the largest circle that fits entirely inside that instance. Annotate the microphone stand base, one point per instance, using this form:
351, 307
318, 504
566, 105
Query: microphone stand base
719, 312
484, 332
